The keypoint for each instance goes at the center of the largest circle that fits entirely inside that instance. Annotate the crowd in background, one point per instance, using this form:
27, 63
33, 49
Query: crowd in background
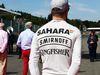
92, 45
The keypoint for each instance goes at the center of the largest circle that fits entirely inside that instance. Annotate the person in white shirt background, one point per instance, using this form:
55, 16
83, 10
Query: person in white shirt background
24, 41
3, 51
58, 43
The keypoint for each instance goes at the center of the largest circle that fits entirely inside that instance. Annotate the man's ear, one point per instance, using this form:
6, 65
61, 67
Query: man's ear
66, 12
31, 27
3, 27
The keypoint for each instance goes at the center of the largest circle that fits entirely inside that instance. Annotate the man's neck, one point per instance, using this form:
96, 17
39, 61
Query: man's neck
58, 18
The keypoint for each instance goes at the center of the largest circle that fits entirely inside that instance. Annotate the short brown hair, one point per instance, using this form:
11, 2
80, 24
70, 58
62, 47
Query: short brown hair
57, 13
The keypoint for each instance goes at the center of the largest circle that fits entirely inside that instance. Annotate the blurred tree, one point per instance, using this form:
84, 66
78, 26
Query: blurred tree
2, 5
49, 17
41, 21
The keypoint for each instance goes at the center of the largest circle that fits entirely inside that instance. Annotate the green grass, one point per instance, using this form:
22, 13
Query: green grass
99, 35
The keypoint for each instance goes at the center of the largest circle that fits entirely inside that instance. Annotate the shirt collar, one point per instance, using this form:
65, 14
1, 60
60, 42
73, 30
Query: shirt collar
1, 29
28, 29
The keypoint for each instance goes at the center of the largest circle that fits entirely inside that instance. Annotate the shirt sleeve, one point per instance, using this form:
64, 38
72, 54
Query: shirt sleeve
34, 57
19, 41
88, 41
76, 56
5, 43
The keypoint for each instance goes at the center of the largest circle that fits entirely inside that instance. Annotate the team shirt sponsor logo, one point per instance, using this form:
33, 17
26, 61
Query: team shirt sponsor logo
54, 40
71, 31
53, 31
54, 51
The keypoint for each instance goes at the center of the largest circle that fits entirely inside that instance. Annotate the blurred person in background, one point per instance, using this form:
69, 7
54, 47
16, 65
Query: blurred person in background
24, 41
10, 41
3, 51
92, 40
95, 53
19, 50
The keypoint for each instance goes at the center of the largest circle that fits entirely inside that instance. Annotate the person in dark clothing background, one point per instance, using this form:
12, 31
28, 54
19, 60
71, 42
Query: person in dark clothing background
19, 47
10, 41
95, 54
92, 45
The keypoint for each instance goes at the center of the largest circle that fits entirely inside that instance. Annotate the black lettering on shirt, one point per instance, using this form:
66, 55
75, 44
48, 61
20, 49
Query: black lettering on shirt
55, 40
53, 31
55, 52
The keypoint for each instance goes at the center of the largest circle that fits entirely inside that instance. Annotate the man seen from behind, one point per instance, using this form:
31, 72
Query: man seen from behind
58, 43
24, 41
